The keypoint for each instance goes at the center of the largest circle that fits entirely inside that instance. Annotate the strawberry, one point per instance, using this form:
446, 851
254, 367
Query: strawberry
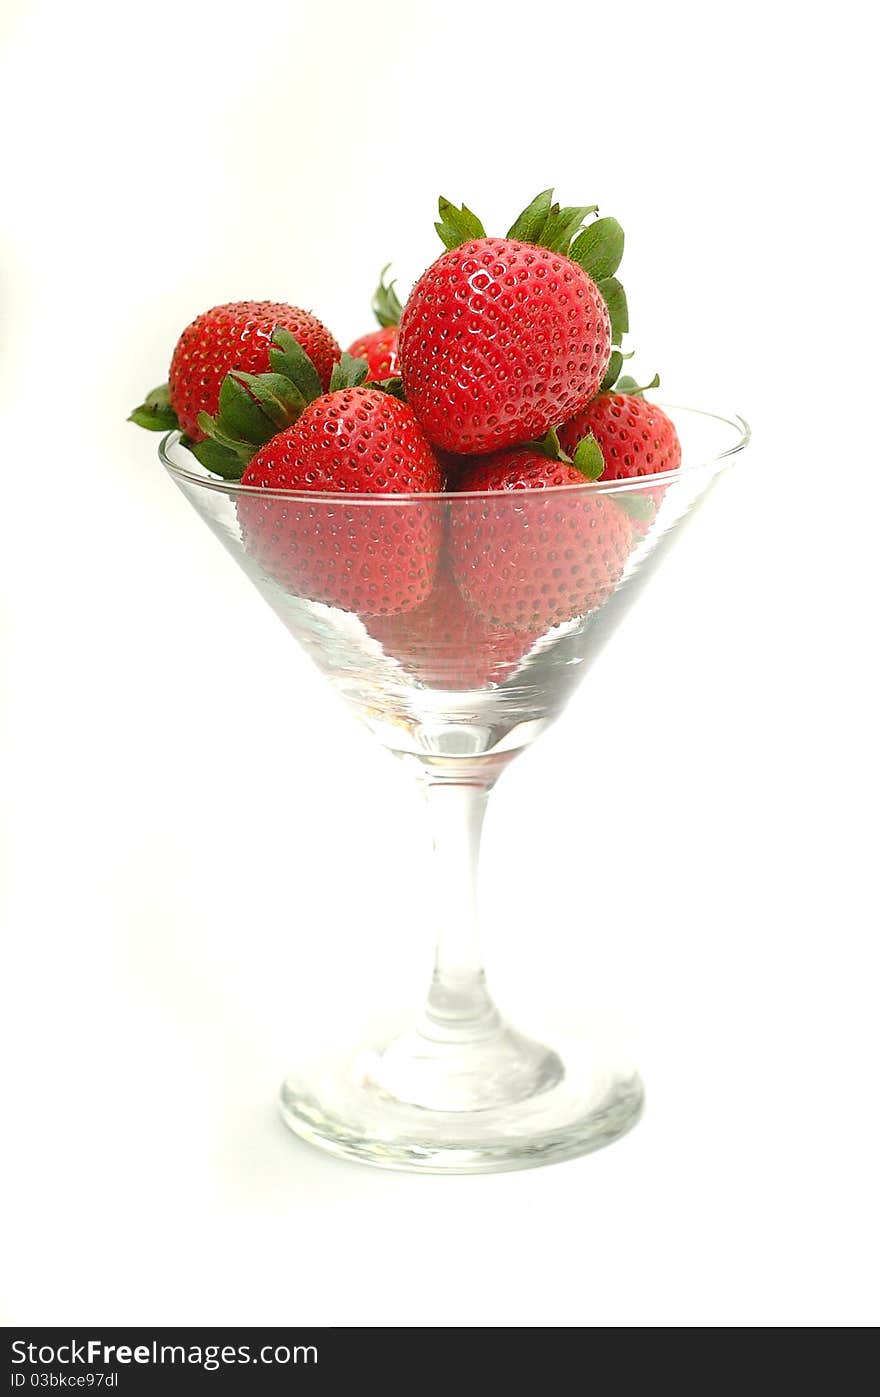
503, 338
445, 645
357, 556
635, 439
379, 347
536, 555
354, 439
280, 431
234, 336
635, 436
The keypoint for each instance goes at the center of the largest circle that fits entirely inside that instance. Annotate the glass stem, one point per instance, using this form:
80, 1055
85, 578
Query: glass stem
459, 1008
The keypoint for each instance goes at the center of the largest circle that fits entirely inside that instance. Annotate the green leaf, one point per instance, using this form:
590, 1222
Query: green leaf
240, 416
386, 303
457, 226
212, 428
277, 396
561, 226
155, 412
614, 297
290, 359
530, 224
550, 446
218, 459
588, 457
632, 389
599, 248
392, 386
348, 373
612, 373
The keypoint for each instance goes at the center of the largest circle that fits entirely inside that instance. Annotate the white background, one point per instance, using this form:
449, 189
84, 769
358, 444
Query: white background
205, 862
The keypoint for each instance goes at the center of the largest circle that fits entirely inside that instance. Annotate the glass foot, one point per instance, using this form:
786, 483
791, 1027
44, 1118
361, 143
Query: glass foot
415, 1104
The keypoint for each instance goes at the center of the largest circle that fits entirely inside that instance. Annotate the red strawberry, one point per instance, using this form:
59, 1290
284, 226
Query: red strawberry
536, 555
636, 439
445, 645
379, 348
500, 340
360, 556
503, 338
635, 436
237, 336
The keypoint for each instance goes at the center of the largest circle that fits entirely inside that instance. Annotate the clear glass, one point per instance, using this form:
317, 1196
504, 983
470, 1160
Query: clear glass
527, 588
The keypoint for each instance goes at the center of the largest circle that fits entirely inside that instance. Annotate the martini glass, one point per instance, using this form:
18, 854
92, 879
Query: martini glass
455, 686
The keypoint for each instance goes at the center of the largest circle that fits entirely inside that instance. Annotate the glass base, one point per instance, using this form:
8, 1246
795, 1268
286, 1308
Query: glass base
438, 1108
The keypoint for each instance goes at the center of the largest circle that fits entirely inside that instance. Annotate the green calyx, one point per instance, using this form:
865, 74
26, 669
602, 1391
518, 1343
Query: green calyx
288, 357
348, 373
253, 408
614, 296
612, 373
587, 458
598, 248
547, 224
457, 226
392, 386
156, 413
221, 460
530, 224
386, 303
550, 446
250, 412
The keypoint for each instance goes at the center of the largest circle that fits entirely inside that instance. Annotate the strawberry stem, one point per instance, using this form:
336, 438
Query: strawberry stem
632, 389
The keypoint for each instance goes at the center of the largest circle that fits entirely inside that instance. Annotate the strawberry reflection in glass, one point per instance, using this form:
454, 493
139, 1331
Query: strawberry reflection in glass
444, 644
539, 554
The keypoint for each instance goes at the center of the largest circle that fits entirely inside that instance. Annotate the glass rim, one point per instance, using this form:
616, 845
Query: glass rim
605, 487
